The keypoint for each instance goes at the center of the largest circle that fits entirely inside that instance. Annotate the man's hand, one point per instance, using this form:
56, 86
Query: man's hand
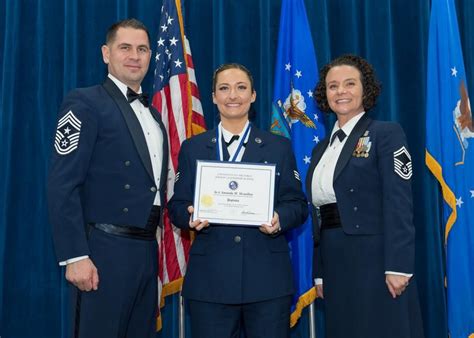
197, 225
396, 284
83, 274
274, 227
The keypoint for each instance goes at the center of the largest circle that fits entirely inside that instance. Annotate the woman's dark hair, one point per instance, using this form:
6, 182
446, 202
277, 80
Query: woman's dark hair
226, 66
370, 85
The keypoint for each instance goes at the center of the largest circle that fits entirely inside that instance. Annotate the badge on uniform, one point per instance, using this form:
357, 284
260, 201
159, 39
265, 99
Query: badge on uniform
176, 178
67, 134
402, 163
363, 146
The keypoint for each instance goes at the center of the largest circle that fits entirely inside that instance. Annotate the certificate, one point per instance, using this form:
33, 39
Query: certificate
234, 193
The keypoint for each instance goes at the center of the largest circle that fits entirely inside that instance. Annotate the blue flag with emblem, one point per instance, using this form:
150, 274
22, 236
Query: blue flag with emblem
450, 157
295, 115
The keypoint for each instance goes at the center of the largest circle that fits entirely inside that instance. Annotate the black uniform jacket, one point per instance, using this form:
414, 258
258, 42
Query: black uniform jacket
107, 177
373, 190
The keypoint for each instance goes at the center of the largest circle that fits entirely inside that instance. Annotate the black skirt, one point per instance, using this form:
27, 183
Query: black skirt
357, 301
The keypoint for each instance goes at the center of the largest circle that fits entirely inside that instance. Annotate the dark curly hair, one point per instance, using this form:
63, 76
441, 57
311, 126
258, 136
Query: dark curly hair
370, 85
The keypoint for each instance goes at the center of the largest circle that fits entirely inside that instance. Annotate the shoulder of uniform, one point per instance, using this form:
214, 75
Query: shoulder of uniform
202, 138
83, 103
270, 137
87, 94
85, 90
207, 135
386, 126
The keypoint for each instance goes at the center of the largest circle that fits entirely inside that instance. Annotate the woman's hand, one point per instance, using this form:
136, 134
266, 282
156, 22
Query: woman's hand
272, 228
396, 284
197, 224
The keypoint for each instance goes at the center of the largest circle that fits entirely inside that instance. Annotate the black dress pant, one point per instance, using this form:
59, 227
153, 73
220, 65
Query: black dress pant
265, 319
125, 304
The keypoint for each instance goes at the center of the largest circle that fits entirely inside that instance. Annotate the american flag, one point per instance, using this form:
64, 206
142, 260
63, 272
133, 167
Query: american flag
176, 97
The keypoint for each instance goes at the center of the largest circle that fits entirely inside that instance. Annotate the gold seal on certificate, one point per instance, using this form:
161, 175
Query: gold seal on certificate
234, 193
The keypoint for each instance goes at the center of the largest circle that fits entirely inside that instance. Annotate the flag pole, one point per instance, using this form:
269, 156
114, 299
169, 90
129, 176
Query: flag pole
312, 320
181, 331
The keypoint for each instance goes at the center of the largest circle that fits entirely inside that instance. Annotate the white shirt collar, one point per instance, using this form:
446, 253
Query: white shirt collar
347, 128
122, 86
228, 135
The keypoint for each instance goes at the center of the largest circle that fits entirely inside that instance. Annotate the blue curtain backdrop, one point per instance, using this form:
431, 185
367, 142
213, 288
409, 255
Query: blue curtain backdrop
50, 47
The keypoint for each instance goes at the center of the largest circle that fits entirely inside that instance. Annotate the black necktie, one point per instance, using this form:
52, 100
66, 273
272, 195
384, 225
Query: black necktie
232, 139
132, 96
341, 135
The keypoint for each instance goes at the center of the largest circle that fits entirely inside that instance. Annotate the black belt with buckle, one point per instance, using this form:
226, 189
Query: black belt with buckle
330, 218
126, 231
147, 233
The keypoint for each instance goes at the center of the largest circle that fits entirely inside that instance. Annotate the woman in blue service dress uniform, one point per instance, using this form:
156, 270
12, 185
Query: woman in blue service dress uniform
238, 278
359, 186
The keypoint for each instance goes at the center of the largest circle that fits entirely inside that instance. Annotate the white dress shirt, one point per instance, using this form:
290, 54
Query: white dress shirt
322, 188
152, 132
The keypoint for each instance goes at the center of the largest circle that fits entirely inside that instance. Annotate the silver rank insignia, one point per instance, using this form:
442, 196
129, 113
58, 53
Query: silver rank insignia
363, 146
402, 163
297, 175
176, 178
67, 134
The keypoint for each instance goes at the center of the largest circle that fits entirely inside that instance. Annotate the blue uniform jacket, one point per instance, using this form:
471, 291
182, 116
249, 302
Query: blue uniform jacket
108, 177
229, 264
372, 197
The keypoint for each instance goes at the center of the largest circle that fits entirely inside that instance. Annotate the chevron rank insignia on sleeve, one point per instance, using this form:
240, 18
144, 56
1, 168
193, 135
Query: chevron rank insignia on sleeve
67, 134
297, 175
402, 163
176, 178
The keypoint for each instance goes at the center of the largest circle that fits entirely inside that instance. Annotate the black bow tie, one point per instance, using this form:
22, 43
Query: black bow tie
341, 135
132, 96
232, 139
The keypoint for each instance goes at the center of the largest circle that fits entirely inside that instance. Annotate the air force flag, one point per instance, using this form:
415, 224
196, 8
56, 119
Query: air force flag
294, 115
450, 157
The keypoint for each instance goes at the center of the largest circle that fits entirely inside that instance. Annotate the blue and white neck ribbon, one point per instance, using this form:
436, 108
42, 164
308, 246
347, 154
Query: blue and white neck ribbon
219, 148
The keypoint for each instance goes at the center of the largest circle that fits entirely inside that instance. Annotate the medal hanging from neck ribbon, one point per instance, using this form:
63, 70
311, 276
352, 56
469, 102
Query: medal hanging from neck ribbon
219, 138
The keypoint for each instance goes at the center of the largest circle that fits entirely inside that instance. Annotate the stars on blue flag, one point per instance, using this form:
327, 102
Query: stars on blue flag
449, 132
169, 55
295, 116
298, 110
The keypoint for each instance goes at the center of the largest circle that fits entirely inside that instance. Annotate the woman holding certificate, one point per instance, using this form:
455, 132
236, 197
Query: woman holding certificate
360, 181
239, 277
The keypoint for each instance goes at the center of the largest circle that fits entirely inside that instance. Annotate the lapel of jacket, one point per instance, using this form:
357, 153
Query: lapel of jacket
318, 152
132, 123
164, 167
253, 152
350, 144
